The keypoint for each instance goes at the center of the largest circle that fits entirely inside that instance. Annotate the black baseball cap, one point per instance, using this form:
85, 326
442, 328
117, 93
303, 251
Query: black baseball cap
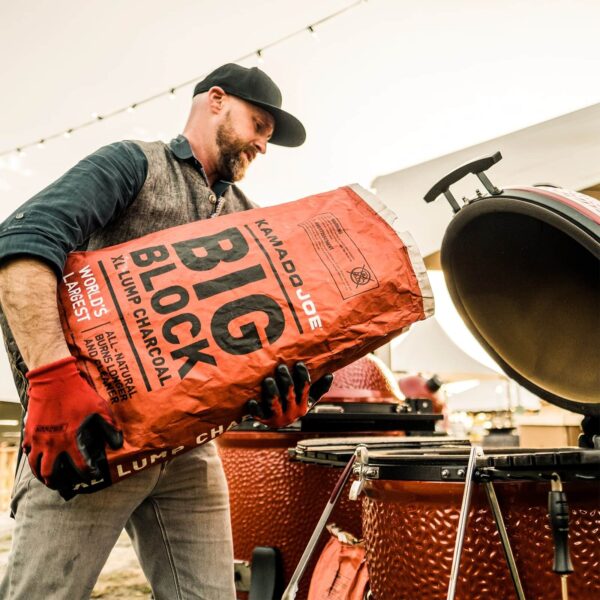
256, 87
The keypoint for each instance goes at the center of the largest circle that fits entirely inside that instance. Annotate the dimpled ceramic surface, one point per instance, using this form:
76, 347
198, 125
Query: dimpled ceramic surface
368, 374
277, 502
410, 531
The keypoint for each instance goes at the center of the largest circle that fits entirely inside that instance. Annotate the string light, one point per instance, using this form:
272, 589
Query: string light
170, 93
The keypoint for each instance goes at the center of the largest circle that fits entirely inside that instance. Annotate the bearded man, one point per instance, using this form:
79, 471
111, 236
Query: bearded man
177, 512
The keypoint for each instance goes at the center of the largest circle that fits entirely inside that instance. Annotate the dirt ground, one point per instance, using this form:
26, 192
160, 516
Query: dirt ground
121, 578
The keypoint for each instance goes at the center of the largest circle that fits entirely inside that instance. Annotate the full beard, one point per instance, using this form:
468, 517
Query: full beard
232, 163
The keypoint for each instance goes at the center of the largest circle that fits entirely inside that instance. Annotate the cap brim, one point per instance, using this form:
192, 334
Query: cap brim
288, 130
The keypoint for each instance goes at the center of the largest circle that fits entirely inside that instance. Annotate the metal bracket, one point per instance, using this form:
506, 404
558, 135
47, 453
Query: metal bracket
453, 473
328, 409
590, 436
363, 471
242, 573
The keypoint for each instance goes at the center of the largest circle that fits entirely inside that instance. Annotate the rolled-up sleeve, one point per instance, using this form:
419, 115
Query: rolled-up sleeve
61, 217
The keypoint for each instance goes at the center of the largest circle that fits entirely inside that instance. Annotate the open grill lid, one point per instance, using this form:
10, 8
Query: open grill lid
522, 266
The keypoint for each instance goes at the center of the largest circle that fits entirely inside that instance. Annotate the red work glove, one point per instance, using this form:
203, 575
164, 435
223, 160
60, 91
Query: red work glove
286, 397
67, 426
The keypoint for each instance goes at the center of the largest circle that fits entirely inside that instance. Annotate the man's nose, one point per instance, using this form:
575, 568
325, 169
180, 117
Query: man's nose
261, 145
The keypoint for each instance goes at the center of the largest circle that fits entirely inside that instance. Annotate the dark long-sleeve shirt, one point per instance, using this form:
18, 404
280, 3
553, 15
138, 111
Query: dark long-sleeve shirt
89, 196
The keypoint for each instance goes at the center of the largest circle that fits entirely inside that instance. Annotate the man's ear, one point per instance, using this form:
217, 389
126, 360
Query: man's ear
216, 99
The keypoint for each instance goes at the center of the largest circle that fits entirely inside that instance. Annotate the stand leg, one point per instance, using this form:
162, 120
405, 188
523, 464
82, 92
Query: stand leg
510, 559
292, 588
462, 522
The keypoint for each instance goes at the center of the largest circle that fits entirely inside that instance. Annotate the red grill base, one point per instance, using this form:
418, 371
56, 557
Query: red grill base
410, 531
276, 502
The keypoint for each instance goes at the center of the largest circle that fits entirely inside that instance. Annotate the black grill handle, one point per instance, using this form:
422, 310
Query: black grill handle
475, 167
558, 511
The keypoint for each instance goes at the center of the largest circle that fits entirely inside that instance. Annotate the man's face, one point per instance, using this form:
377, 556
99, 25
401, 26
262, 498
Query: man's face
244, 133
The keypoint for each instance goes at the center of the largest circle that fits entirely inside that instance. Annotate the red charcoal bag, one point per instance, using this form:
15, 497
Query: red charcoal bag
340, 573
178, 328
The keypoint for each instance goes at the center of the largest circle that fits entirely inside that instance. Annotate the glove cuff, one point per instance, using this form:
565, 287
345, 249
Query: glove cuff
63, 366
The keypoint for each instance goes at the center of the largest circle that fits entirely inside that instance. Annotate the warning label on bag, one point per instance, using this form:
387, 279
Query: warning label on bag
345, 262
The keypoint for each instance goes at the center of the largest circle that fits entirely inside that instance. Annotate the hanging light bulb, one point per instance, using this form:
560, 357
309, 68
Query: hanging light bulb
131, 108
40, 144
172, 94
21, 153
260, 59
67, 133
312, 32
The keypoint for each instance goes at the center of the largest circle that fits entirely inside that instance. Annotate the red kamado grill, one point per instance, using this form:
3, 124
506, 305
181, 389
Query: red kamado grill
523, 269
442, 518
276, 501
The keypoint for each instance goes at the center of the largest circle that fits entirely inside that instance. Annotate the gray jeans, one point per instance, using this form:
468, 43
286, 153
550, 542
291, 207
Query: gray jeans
177, 515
